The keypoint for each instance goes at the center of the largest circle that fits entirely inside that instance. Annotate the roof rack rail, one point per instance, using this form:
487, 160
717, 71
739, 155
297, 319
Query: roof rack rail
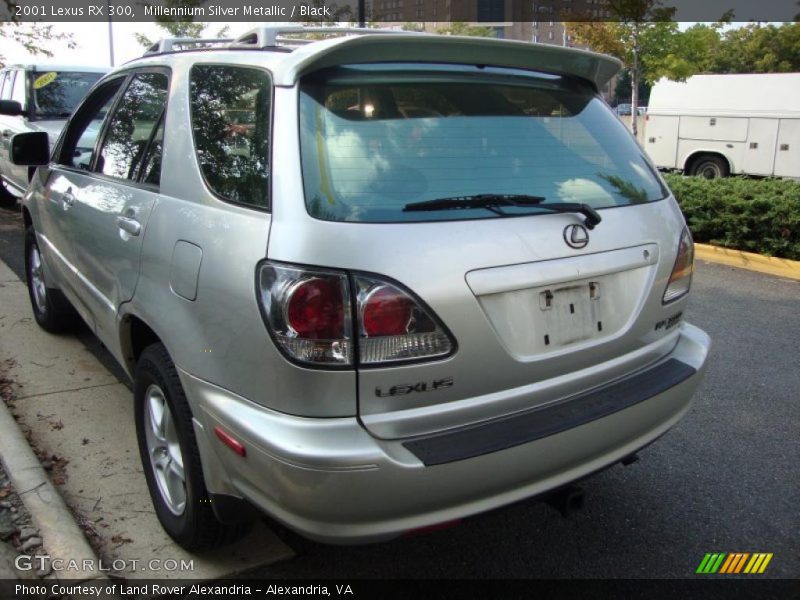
173, 44
266, 36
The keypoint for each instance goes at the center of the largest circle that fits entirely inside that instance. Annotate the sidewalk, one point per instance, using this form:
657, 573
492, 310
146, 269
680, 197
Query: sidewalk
80, 417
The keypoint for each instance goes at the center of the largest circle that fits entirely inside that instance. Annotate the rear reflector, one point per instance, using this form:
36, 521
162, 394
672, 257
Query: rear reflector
227, 439
432, 528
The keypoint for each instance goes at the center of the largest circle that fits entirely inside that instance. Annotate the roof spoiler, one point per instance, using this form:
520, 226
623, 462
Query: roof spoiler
595, 68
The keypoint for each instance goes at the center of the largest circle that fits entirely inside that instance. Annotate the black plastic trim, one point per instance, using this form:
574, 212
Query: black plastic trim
231, 510
521, 428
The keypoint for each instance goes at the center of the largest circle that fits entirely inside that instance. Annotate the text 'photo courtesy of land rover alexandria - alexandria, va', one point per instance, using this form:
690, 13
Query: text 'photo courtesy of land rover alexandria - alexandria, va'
365, 284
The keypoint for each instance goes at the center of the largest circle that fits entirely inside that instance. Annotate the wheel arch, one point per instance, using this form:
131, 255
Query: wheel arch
135, 334
695, 155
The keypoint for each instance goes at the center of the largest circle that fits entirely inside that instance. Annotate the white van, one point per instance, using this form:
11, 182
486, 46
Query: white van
716, 125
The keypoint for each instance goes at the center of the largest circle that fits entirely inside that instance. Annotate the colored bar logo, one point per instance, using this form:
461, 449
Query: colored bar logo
734, 563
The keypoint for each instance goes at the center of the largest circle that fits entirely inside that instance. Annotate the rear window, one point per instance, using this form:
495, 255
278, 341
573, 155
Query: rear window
376, 139
57, 93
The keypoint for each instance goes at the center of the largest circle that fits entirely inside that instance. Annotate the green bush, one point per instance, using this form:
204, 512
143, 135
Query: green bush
756, 215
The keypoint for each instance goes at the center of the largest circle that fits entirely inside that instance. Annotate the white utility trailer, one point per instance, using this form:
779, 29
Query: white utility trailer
715, 125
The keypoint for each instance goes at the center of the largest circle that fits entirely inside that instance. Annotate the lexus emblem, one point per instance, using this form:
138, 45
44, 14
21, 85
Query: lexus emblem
576, 236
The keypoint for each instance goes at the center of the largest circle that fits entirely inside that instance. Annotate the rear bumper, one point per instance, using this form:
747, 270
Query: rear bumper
332, 481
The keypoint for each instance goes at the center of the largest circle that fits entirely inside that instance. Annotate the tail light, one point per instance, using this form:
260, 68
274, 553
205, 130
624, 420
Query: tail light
310, 315
395, 327
680, 280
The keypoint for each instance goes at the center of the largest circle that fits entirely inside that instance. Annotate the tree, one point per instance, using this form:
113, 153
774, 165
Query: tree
642, 35
623, 88
462, 28
755, 48
698, 47
758, 48
31, 36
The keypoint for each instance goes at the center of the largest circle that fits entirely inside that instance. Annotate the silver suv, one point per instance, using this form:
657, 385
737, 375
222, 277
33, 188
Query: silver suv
367, 284
36, 98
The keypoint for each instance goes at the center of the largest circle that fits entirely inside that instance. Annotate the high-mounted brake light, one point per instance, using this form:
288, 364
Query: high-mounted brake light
309, 313
680, 280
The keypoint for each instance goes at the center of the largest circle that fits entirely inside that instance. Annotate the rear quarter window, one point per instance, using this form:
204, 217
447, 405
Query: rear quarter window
231, 109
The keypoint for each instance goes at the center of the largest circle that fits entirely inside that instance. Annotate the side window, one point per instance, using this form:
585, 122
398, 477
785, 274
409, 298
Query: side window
81, 133
6, 81
18, 91
132, 125
231, 109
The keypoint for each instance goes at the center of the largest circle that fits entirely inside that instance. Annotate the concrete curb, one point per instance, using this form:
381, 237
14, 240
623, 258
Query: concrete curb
781, 267
62, 537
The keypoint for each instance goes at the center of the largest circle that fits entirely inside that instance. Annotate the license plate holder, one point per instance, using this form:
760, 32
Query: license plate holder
570, 314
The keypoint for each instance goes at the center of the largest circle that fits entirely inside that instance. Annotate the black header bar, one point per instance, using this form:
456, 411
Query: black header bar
377, 11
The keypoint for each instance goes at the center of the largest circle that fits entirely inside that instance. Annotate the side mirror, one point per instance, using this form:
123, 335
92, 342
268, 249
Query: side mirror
11, 108
30, 149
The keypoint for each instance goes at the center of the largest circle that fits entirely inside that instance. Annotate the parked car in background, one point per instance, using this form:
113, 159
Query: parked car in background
624, 109
717, 125
362, 292
36, 98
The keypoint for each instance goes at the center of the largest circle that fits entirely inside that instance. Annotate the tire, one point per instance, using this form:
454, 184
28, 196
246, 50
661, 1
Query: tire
51, 309
710, 167
170, 456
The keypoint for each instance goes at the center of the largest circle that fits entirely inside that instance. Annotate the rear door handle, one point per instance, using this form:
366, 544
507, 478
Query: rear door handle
129, 225
68, 198
7, 133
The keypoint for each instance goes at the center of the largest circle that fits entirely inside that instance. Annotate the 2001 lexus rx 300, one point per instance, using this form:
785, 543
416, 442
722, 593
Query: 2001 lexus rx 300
366, 284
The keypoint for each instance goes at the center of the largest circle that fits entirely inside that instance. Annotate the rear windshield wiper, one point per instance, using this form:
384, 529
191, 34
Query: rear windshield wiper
494, 202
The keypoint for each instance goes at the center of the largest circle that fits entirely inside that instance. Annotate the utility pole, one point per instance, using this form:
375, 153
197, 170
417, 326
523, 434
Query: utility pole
362, 13
110, 34
635, 76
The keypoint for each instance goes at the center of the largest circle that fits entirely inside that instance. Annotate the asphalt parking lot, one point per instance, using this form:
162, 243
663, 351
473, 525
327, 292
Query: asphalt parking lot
725, 479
